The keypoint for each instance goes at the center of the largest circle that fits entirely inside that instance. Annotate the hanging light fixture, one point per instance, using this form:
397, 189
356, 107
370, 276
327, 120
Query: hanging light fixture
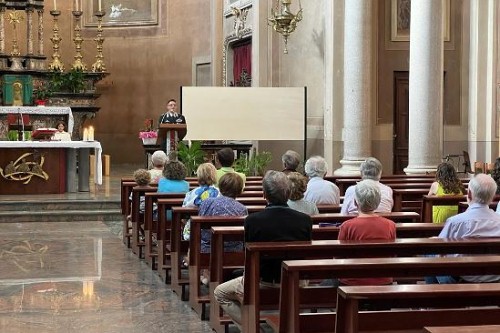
283, 20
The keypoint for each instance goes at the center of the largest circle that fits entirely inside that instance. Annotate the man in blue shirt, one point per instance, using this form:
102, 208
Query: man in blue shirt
477, 221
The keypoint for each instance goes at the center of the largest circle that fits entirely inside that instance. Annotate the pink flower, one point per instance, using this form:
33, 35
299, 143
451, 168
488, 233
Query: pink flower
148, 135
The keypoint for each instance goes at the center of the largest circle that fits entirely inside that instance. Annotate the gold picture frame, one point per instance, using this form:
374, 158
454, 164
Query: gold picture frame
400, 20
123, 13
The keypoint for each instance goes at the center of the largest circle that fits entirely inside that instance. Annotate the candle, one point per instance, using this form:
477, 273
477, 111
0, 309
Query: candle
99, 5
55, 4
76, 5
91, 133
85, 134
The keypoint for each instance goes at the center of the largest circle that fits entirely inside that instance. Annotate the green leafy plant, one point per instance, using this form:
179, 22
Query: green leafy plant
255, 165
43, 92
192, 156
72, 81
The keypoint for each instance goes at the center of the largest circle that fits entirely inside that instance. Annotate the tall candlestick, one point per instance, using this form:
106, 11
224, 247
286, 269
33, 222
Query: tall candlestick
76, 5
55, 4
99, 5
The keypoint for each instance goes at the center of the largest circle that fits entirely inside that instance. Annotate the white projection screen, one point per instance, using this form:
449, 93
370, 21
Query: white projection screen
237, 113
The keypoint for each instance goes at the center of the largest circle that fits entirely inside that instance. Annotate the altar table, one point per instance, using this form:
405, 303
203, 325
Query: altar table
43, 167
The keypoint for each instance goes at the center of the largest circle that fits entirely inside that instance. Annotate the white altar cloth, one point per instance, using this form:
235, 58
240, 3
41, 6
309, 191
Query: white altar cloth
43, 110
63, 144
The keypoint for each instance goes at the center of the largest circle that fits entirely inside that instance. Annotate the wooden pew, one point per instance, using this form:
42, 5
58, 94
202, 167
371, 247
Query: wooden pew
428, 201
125, 191
408, 200
290, 319
463, 329
221, 265
150, 227
350, 320
328, 249
138, 218
343, 184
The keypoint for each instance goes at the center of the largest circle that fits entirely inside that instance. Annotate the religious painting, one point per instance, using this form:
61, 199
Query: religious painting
401, 18
121, 12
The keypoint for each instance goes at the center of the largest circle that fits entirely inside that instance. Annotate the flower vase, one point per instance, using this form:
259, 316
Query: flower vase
148, 141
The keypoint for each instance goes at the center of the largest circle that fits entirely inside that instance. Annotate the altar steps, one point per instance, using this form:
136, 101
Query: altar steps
59, 210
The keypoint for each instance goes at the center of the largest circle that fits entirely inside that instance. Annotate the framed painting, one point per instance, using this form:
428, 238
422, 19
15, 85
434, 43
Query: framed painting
121, 12
401, 18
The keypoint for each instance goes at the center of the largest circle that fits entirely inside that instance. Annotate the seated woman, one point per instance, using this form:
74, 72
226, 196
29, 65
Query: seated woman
296, 201
173, 180
207, 176
158, 159
291, 161
230, 186
61, 134
447, 183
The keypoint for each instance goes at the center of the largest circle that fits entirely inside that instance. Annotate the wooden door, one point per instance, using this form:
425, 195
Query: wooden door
401, 121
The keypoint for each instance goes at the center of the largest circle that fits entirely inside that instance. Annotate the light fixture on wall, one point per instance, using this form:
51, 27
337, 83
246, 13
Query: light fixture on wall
283, 20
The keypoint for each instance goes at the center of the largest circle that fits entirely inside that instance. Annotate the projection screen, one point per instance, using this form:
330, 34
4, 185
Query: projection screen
235, 113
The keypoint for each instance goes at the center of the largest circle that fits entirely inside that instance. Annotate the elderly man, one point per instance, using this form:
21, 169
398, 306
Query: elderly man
277, 222
318, 190
291, 161
370, 169
477, 221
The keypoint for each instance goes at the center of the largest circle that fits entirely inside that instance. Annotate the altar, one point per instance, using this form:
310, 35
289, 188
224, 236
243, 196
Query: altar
47, 167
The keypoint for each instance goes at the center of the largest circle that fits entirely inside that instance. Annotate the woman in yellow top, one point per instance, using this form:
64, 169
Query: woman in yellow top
447, 183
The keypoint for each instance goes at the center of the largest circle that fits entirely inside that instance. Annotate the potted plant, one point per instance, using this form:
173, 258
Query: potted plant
148, 134
42, 94
254, 165
72, 81
192, 156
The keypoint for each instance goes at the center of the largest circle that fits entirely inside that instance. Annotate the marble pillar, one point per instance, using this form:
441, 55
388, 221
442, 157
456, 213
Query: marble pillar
426, 87
29, 31
40, 32
482, 110
358, 83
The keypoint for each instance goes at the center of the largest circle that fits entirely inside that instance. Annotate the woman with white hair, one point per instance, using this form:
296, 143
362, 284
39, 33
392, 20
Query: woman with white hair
158, 160
320, 191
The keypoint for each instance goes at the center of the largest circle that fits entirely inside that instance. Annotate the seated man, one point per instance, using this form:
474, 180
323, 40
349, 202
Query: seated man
291, 161
225, 157
370, 169
277, 222
477, 221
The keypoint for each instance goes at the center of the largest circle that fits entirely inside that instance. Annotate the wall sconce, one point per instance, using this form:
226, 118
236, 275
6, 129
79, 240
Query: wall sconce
283, 20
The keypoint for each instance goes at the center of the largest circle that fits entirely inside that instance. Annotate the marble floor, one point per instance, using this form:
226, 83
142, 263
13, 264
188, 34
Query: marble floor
79, 277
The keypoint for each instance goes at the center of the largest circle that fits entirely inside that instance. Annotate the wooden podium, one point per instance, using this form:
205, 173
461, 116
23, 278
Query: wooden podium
170, 134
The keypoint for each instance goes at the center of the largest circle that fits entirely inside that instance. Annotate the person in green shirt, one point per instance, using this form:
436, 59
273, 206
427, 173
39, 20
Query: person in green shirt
225, 158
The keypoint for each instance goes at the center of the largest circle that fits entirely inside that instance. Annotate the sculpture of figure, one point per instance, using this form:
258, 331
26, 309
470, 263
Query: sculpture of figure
17, 94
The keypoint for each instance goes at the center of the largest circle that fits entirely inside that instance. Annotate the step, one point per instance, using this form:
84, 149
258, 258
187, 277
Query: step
65, 215
43, 205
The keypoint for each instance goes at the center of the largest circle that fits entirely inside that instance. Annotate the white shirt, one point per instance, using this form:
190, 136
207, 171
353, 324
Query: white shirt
61, 136
322, 191
386, 200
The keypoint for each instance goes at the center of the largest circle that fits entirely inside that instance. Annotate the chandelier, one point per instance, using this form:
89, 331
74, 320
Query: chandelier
283, 20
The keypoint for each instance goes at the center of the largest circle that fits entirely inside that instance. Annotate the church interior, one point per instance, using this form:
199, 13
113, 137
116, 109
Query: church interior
411, 83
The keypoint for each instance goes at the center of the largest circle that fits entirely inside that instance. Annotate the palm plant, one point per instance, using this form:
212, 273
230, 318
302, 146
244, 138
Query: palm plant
192, 156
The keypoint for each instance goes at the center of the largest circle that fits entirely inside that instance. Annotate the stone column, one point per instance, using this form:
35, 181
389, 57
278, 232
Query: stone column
358, 83
29, 30
483, 113
2, 30
40, 32
426, 87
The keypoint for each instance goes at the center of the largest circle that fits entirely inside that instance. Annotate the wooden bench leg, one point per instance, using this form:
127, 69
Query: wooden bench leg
346, 320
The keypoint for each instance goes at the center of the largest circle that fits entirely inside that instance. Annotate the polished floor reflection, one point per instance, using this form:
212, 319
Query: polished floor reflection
79, 277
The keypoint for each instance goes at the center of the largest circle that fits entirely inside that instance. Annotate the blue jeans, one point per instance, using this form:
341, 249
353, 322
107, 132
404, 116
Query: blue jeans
445, 279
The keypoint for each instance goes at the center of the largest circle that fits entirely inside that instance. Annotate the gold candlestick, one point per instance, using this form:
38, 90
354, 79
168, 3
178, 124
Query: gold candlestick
99, 65
78, 40
56, 64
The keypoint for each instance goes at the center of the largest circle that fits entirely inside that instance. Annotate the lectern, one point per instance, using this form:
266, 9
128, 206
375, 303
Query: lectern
170, 134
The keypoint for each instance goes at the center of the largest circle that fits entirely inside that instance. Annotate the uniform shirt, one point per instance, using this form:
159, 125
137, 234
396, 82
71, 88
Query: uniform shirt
171, 118
322, 191
386, 200
476, 222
